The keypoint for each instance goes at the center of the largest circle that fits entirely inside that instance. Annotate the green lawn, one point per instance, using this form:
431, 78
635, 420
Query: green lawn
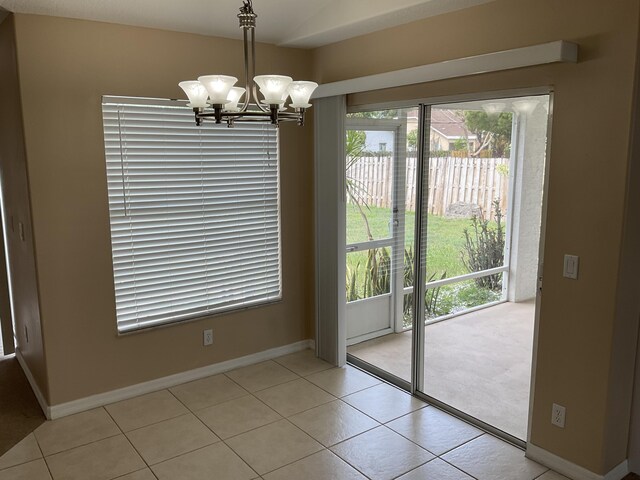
445, 243
445, 238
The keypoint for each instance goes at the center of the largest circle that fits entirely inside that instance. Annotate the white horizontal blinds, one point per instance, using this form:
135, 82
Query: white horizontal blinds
195, 225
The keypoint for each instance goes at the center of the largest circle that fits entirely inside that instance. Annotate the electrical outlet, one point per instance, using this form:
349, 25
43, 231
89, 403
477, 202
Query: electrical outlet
558, 415
207, 337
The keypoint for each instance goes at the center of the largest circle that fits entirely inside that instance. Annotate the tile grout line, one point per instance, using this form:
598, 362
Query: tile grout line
81, 445
380, 381
46, 464
136, 471
392, 419
419, 466
130, 443
352, 466
228, 401
202, 448
266, 361
220, 439
28, 461
152, 423
211, 430
240, 457
543, 473
462, 444
44, 457
457, 468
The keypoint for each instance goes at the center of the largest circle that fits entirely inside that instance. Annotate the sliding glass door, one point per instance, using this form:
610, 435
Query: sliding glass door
457, 246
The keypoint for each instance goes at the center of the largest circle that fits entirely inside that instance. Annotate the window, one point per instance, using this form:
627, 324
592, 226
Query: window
194, 213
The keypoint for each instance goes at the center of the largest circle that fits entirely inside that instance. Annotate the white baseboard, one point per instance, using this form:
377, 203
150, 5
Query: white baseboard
571, 470
63, 409
32, 382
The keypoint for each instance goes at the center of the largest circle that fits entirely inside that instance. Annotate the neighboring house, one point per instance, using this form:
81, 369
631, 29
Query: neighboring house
446, 130
379, 141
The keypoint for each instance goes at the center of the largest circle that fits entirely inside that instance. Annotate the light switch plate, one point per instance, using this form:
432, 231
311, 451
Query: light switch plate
571, 263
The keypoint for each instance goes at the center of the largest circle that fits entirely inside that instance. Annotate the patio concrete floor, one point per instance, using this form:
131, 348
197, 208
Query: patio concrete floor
479, 362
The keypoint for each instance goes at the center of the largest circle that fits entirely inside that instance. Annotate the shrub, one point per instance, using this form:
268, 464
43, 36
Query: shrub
431, 295
377, 275
352, 283
377, 281
484, 248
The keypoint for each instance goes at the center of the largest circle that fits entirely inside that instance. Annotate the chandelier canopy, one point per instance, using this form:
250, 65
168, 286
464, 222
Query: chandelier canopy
219, 92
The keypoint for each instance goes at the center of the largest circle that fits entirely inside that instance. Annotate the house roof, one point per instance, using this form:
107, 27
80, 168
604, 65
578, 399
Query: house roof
449, 123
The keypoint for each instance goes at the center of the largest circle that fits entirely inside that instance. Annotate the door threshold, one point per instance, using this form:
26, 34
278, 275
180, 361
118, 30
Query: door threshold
378, 372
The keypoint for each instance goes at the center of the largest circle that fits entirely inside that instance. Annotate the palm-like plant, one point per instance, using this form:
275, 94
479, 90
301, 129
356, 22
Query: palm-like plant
356, 190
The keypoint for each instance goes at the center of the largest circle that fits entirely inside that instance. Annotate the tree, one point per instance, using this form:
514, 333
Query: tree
492, 131
412, 139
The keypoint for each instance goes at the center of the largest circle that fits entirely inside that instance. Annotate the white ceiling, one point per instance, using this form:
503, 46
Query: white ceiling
293, 23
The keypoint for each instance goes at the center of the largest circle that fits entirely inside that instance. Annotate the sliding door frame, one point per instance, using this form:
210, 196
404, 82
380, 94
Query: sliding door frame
416, 387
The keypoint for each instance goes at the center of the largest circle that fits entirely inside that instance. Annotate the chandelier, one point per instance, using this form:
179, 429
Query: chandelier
219, 93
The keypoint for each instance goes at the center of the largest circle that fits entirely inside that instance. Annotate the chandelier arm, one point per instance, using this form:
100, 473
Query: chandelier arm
247, 78
274, 115
254, 88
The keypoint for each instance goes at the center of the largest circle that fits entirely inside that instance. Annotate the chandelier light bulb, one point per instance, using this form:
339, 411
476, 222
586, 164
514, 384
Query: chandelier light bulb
525, 106
218, 87
196, 92
233, 98
300, 93
494, 108
273, 87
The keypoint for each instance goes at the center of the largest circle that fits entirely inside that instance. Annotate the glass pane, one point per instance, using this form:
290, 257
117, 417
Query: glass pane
461, 296
368, 273
369, 184
468, 189
380, 158
486, 172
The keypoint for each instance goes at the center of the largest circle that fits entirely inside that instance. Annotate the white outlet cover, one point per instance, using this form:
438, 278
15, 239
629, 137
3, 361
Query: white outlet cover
207, 337
558, 413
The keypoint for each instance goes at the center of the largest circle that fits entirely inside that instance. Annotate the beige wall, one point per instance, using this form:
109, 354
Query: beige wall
585, 338
629, 291
65, 66
15, 190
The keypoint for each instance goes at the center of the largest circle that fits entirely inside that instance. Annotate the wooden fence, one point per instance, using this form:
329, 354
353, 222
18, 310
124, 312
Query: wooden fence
474, 181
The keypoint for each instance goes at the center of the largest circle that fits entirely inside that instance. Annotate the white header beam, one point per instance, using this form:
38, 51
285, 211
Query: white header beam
559, 51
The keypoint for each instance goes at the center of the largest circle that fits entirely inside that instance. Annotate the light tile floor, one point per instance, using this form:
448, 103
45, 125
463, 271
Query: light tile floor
292, 418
